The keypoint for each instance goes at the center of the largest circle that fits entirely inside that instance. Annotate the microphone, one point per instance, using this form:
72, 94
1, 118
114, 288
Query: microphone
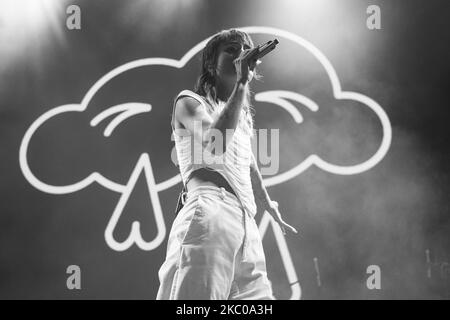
266, 48
263, 49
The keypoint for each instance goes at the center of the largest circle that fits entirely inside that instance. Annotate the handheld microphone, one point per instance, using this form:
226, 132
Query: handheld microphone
264, 49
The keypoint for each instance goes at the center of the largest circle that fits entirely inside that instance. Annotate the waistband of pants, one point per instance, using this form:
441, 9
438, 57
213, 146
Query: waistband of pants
219, 191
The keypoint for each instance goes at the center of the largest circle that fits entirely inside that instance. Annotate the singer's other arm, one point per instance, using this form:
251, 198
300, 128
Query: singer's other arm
262, 196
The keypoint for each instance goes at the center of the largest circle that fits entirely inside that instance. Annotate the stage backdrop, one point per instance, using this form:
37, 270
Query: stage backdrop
356, 118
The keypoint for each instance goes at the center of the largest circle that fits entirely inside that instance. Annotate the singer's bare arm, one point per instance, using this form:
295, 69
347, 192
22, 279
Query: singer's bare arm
262, 196
259, 190
193, 116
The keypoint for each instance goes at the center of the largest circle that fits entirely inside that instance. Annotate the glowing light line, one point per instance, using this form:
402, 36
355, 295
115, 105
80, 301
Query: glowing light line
143, 165
277, 97
127, 109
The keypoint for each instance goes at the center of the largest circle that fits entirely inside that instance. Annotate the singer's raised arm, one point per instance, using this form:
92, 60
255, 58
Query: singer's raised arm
196, 119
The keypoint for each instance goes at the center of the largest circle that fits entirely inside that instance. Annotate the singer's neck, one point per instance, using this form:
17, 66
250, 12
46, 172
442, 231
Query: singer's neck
224, 89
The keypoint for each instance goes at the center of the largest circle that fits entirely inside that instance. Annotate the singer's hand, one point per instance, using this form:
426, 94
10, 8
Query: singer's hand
245, 65
273, 210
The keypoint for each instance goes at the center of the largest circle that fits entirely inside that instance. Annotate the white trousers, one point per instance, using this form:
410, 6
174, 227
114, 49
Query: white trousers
214, 251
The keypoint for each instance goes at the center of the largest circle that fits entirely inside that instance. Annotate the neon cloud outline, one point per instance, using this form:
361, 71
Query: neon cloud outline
127, 110
144, 164
282, 177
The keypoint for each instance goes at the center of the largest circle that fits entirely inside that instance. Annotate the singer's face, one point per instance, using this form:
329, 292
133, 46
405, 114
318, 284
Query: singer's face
228, 52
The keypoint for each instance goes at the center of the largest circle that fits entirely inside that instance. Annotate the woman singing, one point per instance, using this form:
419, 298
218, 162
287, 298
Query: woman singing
214, 249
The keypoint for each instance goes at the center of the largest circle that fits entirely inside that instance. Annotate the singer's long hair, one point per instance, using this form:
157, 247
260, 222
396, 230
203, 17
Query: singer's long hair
206, 82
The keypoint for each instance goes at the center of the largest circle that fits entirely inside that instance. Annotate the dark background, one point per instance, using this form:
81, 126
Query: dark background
387, 216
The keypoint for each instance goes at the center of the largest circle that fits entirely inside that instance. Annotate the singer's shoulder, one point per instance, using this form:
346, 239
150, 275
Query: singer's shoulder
190, 95
188, 102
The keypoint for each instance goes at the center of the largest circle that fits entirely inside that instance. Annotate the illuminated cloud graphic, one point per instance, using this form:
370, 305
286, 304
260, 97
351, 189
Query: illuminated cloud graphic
118, 115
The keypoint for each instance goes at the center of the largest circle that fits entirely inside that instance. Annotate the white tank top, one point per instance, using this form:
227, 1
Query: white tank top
233, 165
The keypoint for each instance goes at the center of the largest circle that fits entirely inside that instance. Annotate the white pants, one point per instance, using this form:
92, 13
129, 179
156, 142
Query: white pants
214, 251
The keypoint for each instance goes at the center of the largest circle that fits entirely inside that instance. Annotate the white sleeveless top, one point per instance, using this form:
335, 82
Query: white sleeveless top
233, 165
